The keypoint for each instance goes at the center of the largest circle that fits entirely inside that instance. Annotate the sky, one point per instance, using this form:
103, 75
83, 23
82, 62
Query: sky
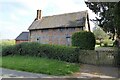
17, 15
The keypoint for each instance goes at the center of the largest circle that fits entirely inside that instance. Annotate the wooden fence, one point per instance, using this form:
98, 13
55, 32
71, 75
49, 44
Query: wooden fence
98, 57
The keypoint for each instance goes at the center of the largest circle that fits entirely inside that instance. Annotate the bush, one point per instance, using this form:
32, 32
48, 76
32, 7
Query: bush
6, 44
63, 53
8, 50
84, 40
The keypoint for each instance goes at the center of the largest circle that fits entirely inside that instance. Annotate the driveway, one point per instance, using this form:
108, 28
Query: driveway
92, 71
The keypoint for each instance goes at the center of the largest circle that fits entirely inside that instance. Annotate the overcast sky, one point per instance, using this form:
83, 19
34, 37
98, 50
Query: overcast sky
17, 15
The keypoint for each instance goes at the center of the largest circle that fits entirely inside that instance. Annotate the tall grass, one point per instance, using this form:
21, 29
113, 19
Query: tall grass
39, 65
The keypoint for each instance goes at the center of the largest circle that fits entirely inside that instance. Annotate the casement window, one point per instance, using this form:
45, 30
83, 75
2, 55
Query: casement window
68, 40
71, 29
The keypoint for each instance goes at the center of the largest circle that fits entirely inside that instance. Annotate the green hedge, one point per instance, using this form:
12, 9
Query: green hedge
84, 40
63, 53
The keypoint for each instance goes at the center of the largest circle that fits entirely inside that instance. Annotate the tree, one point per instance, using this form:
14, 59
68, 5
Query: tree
99, 33
117, 18
107, 19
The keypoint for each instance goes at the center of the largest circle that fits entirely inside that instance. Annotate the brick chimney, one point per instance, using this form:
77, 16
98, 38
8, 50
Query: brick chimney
38, 15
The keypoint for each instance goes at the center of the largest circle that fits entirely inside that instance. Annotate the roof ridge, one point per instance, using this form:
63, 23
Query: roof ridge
65, 14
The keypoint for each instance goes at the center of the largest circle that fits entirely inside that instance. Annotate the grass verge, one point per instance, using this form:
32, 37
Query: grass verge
39, 65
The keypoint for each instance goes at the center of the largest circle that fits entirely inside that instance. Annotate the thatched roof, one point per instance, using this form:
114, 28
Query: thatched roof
76, 19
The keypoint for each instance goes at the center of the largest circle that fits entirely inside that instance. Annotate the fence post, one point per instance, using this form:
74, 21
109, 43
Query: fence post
118, 61
98, 58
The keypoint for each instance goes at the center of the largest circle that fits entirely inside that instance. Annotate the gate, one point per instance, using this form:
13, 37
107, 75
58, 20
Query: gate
101, 57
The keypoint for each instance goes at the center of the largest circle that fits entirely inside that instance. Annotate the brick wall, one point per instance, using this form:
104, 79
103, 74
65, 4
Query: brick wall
20, 41
53, 36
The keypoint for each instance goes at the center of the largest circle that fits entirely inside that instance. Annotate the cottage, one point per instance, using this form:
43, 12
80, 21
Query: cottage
23, 37
58, 29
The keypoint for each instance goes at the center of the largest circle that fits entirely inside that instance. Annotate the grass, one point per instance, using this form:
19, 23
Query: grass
7, 42
39, 65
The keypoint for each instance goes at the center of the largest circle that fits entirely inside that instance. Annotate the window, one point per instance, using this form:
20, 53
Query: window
71, 29
68, 40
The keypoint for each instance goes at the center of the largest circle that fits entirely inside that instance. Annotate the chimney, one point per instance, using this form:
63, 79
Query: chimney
38, 15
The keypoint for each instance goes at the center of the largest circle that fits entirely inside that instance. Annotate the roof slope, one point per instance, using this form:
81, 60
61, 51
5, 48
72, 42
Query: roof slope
23, 36
62, 20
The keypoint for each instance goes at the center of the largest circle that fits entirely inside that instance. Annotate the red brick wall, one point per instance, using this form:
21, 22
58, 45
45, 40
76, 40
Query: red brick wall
52, 36
20, 41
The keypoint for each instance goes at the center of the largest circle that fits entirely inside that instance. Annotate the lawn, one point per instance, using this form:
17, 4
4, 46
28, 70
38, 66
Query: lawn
39, 65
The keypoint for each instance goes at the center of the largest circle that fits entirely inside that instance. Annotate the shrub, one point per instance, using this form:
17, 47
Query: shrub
63, 53
8, 50
84, 40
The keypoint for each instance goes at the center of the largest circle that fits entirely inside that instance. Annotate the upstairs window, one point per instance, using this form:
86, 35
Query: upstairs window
71, 29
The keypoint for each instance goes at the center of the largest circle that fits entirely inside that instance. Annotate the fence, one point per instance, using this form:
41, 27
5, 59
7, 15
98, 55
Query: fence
98, 57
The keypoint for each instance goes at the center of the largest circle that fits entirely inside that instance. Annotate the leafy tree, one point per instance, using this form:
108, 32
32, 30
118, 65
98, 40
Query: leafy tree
107, 19
117, 18
99, 33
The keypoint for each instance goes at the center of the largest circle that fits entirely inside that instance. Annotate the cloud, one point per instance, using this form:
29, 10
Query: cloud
64, 6
33, 4
69, 5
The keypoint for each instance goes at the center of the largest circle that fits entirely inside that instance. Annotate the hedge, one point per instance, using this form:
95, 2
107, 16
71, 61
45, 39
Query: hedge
84, 40
63, 53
